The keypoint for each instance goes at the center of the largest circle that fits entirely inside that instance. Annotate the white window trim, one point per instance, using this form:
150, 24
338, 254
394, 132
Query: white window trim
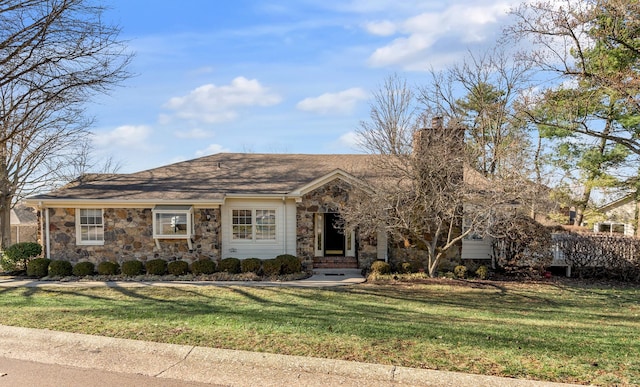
179, 210
79, 240
254, 225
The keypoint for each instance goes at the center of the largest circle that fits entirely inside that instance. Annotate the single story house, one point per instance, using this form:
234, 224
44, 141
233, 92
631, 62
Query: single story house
223, 205
619, 217
218, 206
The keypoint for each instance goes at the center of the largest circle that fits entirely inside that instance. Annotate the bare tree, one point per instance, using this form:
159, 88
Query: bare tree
484, 94
54, 56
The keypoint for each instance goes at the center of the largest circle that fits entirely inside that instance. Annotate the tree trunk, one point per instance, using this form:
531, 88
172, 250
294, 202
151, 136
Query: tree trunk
5, 222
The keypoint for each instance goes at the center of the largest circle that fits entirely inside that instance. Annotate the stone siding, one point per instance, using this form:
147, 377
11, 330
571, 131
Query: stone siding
330, 198
128, 235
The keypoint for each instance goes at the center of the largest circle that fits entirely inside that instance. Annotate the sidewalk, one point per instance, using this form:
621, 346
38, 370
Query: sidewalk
218, 366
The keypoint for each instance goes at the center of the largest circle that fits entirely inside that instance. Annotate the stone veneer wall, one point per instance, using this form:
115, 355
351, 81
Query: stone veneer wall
331, 197
128, 235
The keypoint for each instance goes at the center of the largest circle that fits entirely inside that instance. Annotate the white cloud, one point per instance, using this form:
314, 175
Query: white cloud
210, 103
350, 140
460, 23
194, 133
211, 149
383, 28
342, 102
123, 136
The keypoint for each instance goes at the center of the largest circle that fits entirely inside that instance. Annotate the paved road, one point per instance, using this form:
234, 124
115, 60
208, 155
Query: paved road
28, 373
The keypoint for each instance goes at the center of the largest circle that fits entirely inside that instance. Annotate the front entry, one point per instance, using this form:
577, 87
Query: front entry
331, 240
334, 240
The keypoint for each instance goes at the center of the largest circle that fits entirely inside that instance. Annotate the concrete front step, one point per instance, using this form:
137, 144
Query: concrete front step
335, 263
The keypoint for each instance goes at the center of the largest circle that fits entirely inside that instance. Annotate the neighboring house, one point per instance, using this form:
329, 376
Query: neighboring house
24, 224
619, 217
219, 206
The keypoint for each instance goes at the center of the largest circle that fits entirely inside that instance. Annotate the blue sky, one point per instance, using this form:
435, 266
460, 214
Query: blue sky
271, 76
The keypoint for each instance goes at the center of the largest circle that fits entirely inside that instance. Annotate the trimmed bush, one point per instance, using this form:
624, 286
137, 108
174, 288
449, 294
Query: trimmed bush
229, 265
59, 268
83, 269
21, 253
251, 265
203, 266
132, 268
271, 267
380, 267
156, 267
406, 268
482, 272
289, 264
38, 267
108, 268
178, 267
460, 271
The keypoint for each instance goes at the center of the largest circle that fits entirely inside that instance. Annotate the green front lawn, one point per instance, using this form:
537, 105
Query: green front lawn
552, 331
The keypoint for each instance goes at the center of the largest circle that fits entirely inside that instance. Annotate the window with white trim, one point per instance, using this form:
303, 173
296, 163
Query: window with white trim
253, 224
89, 226
172, 222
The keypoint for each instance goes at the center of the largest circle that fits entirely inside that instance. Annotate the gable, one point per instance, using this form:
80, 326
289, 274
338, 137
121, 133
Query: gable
328, 178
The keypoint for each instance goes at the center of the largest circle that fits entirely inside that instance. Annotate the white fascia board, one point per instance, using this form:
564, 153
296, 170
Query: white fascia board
259, 197
93, 203
329, 177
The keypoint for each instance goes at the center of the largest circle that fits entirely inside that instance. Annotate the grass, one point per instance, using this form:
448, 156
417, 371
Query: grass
563, 332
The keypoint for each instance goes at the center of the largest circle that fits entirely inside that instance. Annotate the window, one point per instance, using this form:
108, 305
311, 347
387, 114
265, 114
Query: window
249, 225
90, 226
265, 224
472, 236
610, 228
172, 222
242, 221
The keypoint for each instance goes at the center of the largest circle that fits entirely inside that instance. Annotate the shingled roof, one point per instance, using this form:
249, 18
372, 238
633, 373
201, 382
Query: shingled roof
213, 177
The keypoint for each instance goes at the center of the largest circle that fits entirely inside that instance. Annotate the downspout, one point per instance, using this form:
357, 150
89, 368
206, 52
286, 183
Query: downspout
284, 222
47, 236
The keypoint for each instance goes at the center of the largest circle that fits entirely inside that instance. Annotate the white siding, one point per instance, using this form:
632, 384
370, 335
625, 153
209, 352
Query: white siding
476, 249
285, 242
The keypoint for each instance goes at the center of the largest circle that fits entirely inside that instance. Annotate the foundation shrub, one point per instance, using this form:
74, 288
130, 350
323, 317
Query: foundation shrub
229, 265
38, 267
251, 265
19, 254
156, 267
380, 267
482, 272
460, 271
406, 268
289, 264
59, 268
108, 268
132, 268
83, 269
203, 266
271, 267
178, 267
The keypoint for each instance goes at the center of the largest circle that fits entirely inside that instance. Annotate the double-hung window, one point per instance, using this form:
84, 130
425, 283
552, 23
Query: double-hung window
253, 224
89, 226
